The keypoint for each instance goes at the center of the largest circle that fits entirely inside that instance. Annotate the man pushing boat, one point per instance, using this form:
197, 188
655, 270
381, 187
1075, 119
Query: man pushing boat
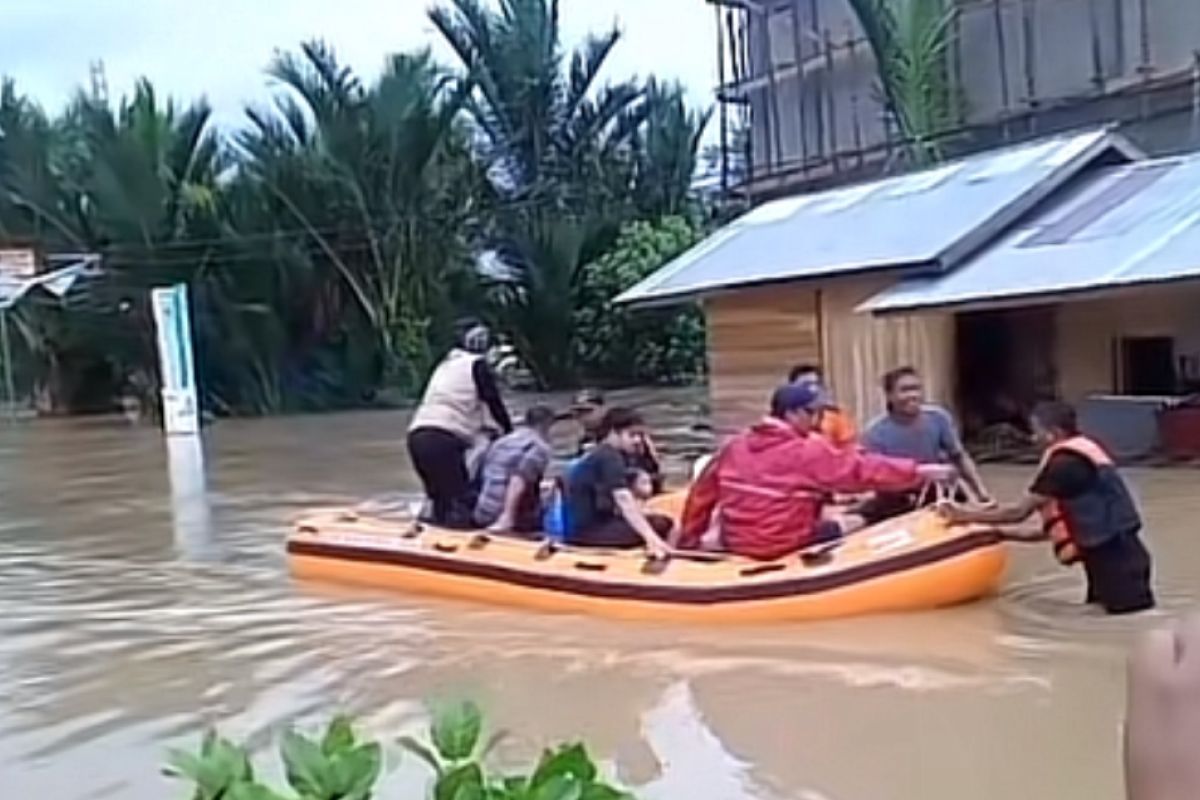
1087, 513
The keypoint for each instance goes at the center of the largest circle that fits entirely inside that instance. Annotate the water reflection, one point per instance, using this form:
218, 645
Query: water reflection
189, 498
144, 595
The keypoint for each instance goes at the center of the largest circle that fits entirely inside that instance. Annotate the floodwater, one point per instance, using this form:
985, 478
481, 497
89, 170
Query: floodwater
144, 596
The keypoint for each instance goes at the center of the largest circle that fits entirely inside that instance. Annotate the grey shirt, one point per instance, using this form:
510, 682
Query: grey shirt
930, 439
522, 452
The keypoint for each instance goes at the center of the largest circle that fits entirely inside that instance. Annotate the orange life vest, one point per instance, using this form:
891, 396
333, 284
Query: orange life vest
1054, 521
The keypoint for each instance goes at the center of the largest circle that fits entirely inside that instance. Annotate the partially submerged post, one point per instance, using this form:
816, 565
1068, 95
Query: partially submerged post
180, 408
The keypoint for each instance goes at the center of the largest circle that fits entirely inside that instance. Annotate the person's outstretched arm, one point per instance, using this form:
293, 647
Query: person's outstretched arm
628, 506
1010, 514
489, 393
951, 444
851, 471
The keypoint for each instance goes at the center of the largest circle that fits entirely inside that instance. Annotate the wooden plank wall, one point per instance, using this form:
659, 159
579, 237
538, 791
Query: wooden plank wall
754, 338
756, 335
858, 348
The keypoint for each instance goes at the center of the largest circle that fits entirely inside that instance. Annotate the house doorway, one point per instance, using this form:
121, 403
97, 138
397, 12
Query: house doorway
1005, 365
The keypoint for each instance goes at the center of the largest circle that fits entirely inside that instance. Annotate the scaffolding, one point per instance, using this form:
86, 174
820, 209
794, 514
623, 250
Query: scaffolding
801, 105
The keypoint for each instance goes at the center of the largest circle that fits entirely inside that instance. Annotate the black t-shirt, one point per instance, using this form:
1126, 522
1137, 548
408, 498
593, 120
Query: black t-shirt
1065, 476
642, 459
591, 484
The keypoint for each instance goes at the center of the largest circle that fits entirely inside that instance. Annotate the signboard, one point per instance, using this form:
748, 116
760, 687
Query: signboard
18, 262
174, 328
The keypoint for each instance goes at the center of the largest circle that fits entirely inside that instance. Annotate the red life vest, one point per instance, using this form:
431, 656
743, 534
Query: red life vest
1055, 522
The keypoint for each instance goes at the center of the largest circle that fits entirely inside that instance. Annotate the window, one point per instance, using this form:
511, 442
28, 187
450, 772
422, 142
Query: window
1147, 365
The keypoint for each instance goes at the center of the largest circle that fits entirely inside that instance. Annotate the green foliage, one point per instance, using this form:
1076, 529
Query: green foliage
569, 162
910, 40
221, 770
340, 767
617, 345
335, 768
330, 242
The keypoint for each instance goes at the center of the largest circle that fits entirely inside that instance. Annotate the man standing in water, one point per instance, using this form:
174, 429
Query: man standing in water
915, 430
1087, 513
459, 397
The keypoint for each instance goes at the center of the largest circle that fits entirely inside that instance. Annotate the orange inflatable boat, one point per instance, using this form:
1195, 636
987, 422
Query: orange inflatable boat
908, 563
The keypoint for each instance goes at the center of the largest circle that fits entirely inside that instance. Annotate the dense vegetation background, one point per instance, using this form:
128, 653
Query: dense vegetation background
330, 242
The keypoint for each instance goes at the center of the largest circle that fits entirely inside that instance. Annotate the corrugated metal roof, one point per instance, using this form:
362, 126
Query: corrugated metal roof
930, 219
1127, 225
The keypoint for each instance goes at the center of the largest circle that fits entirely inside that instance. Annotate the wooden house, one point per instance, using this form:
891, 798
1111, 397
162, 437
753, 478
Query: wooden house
1057, 268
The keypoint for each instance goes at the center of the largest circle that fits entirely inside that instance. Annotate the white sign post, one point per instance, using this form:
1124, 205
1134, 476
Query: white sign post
171, 318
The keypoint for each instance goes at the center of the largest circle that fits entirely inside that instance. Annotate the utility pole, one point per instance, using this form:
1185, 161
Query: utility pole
99, 82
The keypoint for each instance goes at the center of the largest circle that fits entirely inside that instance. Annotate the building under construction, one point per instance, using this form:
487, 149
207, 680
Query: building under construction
801, 104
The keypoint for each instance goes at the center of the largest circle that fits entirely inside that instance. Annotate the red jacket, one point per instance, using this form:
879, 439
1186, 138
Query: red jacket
771, 483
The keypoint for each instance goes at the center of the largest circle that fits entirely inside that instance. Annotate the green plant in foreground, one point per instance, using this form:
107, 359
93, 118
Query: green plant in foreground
339, 767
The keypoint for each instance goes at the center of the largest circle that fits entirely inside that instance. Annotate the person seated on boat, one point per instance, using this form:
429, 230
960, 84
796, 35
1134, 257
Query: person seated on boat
588, 409
460, 395
641, 484
835, 424
511, 476
916, 430
771, 484
602, 509
1087, 513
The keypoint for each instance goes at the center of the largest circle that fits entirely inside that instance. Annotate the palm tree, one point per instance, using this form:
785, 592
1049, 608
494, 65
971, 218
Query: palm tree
558, 150
667, 149
378, 181
910, 40
137, 184
544, 129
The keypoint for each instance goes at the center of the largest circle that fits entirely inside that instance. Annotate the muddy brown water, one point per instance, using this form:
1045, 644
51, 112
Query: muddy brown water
139, 605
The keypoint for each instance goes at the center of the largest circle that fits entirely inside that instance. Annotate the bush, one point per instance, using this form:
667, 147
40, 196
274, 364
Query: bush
614, 344
340, 767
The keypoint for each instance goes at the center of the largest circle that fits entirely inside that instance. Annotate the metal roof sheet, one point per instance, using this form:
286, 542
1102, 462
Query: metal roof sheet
931, 219
1128, 225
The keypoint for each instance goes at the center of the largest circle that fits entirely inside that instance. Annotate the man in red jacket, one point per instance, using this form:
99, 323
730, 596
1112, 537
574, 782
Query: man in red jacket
772, 482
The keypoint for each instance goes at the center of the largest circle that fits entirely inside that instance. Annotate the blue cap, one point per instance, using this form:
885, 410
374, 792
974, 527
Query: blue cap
806, 396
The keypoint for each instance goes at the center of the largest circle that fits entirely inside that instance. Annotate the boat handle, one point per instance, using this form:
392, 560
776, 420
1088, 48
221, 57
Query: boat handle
590, 566
441, 547
761, 569
312, 529
655, 566
816, 556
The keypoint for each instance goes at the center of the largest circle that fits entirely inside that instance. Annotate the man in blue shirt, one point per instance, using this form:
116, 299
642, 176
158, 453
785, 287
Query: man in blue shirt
918, 431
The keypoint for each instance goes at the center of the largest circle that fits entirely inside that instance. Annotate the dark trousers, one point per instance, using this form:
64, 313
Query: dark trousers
1118, 575
439, 457
618, 534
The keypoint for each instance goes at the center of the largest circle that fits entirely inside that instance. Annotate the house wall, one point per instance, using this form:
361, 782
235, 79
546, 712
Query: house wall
1088, 330
859, 348
755, 336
